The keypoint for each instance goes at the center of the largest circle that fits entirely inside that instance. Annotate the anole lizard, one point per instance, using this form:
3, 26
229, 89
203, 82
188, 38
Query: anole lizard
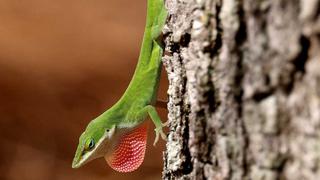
119, 134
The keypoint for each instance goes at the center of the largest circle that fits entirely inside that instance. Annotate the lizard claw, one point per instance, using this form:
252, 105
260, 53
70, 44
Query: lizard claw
161, 133
165, 124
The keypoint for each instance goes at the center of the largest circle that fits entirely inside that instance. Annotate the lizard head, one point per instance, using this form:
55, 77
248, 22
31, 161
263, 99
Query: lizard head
94, 142
122, 148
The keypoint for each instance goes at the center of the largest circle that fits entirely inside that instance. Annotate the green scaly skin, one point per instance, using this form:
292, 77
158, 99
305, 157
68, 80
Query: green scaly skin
137, 101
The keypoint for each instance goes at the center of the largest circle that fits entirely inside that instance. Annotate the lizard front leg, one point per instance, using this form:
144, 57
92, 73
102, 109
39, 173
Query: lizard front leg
156, 120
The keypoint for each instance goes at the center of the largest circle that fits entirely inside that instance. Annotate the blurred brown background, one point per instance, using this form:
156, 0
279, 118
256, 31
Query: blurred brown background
62, 63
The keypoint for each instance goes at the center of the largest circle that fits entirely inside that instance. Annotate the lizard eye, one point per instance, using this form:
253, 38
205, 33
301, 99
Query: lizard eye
90, 145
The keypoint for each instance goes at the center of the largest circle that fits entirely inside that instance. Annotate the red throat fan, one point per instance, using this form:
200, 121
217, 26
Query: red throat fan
129, 153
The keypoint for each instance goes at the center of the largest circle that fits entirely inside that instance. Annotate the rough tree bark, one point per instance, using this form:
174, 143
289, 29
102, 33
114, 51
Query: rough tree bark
244, 94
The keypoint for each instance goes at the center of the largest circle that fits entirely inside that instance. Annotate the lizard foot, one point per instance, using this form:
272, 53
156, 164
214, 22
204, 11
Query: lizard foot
160, 132
165, 124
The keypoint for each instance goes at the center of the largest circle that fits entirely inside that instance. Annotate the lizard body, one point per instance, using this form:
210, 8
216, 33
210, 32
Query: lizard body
119, 134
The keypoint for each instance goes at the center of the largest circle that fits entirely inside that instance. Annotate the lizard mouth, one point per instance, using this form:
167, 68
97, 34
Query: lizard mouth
76, 160
75, 165
79, 161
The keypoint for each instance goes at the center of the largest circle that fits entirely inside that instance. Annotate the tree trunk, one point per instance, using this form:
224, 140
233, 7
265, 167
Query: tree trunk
244, 89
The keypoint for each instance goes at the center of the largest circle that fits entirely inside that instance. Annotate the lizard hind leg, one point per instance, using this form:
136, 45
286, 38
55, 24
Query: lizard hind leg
129, 152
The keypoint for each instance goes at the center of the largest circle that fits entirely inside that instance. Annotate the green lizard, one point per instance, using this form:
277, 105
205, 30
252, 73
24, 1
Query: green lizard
119, 134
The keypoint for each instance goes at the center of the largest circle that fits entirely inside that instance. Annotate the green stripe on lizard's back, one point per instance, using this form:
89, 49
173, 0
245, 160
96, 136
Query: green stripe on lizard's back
118, 125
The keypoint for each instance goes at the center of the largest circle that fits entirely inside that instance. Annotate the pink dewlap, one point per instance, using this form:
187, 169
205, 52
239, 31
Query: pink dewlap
129, 153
